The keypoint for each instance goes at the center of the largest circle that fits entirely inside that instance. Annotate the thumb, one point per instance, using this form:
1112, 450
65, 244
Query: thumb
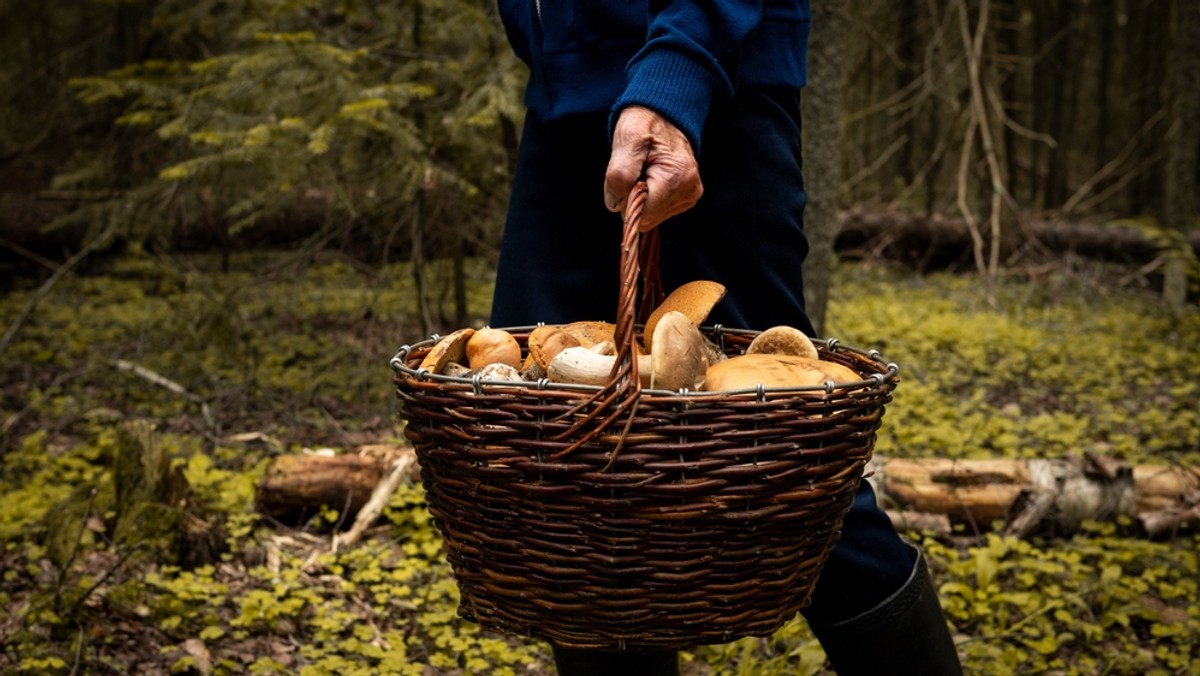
624, 170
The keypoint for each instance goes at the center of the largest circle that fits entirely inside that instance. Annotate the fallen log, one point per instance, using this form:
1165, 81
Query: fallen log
1027, 496
295, 487
937, 241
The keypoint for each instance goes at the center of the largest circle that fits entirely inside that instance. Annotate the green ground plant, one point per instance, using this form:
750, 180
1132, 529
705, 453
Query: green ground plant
128, 540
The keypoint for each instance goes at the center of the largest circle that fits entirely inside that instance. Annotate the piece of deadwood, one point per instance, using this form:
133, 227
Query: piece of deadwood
296, 486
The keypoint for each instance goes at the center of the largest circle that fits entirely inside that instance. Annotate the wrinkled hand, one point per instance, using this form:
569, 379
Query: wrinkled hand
644, 143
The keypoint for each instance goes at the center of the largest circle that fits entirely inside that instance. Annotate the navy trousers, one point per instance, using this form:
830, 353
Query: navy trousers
560, 258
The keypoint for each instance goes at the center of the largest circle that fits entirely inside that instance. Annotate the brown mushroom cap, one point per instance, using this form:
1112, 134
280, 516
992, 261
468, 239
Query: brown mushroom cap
451, 348
748, 371
591, 333
545, 342
694, 299
679, 357
783, 340
493, 346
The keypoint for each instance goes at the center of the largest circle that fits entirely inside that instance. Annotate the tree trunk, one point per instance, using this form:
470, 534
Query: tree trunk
1183, 141
822, 112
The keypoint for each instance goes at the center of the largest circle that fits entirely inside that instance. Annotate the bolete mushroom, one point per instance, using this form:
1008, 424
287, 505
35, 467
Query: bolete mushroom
783, 340
748, 371
678, 360
545, 342
450, 349
679, 357
499, 371
591, 333
695, 300
581, 365
492, 346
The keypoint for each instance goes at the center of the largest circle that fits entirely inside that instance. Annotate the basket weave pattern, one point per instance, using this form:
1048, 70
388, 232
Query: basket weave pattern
711, 523
618, 518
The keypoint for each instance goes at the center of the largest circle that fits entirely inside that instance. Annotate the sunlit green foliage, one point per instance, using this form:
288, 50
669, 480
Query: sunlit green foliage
1093, 604
1038, 369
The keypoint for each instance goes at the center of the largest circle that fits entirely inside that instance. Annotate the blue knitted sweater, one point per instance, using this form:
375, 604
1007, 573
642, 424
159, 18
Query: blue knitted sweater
677, 57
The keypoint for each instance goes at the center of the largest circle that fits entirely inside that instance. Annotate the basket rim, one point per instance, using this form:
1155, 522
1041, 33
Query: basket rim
717, 331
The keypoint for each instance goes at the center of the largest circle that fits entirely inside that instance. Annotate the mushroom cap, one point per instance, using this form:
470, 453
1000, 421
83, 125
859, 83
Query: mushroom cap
679, 357
493, 346
545, 342
499, 371
783, 340
694, 299
748, 371
592, 333
451, 348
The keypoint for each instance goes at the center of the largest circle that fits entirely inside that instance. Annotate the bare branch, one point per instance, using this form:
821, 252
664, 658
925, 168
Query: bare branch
48, 285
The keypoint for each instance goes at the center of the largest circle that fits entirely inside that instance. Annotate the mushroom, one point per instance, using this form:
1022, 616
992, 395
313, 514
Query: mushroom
545, 342
492, 346
748, 371
499, 371
679, 359
694, 299
450, 349
585, 366
591, 333
783, 340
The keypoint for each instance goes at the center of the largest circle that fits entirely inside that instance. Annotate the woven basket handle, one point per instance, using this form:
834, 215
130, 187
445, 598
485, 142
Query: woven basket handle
639, 263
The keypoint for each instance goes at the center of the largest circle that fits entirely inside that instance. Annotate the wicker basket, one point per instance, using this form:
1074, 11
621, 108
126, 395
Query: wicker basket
619, 518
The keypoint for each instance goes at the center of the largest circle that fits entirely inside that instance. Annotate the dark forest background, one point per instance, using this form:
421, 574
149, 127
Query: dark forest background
388, 129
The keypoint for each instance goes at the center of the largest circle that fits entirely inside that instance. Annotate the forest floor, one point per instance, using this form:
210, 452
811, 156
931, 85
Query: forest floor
141, 402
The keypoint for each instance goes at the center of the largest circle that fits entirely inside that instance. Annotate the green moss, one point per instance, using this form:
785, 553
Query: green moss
1035, 370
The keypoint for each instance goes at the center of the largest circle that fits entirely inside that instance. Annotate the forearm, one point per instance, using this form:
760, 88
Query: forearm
689, 60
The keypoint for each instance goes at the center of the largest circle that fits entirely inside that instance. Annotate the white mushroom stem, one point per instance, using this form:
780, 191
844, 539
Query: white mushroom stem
584, 366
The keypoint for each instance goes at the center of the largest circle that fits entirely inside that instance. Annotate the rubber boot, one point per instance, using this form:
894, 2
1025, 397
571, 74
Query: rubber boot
572, 662
904, 635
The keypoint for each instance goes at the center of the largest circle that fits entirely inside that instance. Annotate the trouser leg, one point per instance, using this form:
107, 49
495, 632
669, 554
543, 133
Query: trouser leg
572, 662
905, 634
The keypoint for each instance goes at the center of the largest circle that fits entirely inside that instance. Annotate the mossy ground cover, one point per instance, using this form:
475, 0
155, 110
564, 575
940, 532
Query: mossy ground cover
129, 544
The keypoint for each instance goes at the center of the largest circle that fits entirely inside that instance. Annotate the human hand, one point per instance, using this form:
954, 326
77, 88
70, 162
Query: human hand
645, 143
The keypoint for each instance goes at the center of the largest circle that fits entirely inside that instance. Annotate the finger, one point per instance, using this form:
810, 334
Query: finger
669, 194
624, 170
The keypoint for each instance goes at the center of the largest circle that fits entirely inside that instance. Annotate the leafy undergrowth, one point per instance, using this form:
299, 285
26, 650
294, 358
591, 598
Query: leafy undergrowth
140, 403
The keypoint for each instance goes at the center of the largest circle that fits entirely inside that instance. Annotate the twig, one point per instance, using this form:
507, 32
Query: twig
1090, 184
27, 254
66, 567
379, 499
1150, 161
78, 651
103, 578
162, 381
851, 183
975, 57
49, 284
964, 165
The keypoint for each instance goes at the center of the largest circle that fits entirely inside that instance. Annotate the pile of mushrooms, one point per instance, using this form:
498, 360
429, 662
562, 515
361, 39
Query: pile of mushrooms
674, 355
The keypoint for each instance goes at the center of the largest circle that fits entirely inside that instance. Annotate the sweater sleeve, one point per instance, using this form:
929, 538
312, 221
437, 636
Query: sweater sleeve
689, 60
